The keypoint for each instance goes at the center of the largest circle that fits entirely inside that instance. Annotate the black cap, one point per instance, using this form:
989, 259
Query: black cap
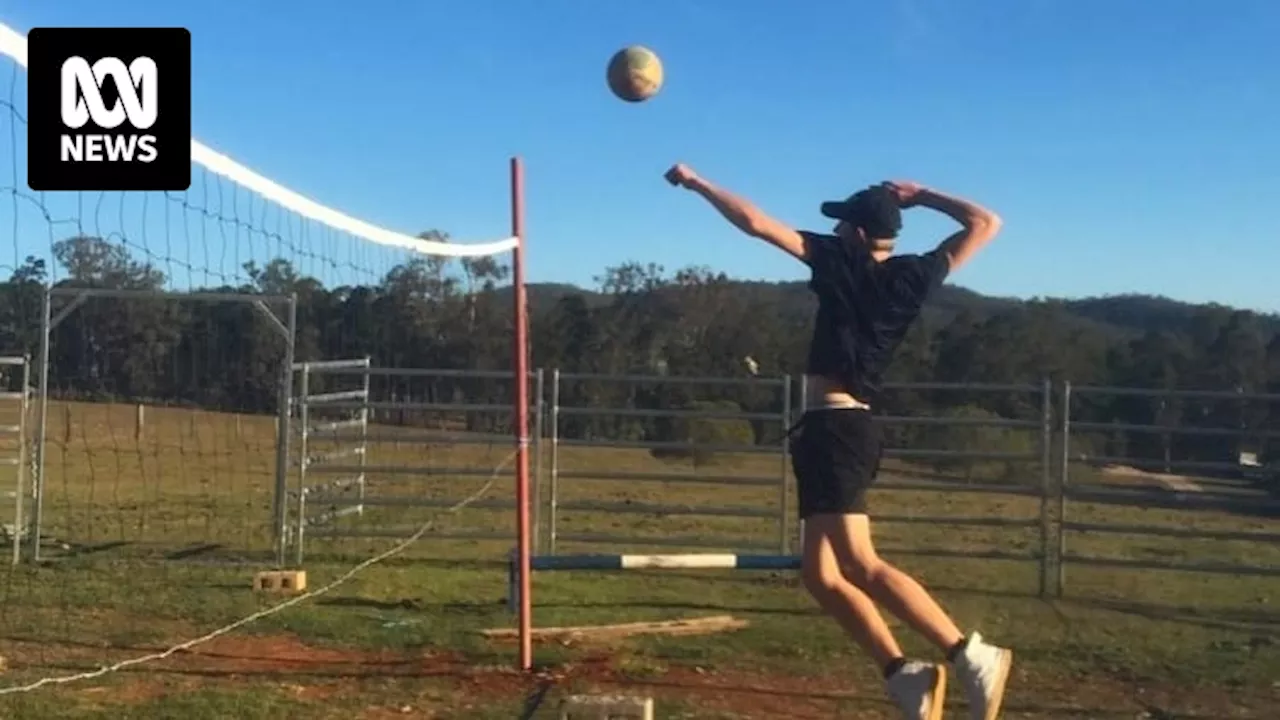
874, 209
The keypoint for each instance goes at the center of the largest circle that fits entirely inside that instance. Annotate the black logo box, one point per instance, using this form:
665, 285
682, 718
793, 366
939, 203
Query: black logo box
48, 48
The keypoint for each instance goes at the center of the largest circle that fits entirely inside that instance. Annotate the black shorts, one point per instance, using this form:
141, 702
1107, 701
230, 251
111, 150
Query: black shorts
835, 453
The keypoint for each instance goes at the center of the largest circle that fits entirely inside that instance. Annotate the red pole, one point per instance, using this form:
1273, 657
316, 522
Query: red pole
521, 343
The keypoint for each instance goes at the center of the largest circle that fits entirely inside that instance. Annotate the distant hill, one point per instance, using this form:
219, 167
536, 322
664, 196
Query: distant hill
1152, 312
1124, 314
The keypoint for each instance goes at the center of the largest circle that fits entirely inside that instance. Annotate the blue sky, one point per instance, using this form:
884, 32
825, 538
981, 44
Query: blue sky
1128, 150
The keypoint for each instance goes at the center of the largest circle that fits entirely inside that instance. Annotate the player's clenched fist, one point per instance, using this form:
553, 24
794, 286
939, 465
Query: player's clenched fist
681, 175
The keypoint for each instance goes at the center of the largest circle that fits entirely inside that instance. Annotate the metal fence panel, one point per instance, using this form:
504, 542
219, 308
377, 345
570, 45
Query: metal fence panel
620, 445
386, 452
651, 418
324, 412
15, 440
1132, 461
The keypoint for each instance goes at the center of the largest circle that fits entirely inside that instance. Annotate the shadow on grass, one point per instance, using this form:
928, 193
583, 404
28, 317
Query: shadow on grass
310, 669
413, 562
487, 607
539, 692
153, 553
1216, 619
773, 579
471, 608
533, 703
79, 551
875, 699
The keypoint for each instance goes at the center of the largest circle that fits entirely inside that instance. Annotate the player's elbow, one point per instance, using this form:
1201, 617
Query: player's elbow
986, 225
978, 231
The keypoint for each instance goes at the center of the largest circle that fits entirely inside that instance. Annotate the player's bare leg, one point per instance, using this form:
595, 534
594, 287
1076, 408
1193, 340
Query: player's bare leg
845, 541
894, 590
918, 688
844, 602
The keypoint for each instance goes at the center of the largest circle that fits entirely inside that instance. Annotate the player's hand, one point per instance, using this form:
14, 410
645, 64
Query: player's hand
681, 175
905, 190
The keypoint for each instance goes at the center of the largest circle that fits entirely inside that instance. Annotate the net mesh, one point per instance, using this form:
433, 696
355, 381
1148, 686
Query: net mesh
151, 465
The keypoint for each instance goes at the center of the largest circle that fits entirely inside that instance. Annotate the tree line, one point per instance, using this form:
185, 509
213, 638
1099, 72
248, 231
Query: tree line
640, 320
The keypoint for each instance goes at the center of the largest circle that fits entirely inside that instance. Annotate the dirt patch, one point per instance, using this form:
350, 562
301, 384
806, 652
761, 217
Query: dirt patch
315, 674
1142, 478
747, 694
289, 656
138, 690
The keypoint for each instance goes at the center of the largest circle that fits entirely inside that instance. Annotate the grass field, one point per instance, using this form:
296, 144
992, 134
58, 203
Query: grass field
157, 535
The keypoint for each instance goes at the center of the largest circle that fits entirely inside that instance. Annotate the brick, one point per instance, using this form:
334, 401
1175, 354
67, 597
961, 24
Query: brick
281, 581
606, 707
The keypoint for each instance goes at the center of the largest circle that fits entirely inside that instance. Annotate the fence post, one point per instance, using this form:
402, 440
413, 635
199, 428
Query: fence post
364, 436
1064, 472
284, 421
19, 489
1046, 480
42, 427
804, 407
784, 527
553, 488
303, 403
535, 514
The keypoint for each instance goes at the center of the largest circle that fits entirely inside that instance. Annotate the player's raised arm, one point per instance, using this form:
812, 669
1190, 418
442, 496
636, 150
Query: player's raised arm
980, 224
746, 217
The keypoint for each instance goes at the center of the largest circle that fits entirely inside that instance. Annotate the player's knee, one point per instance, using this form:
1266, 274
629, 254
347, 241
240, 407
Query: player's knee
820, 579
865, 570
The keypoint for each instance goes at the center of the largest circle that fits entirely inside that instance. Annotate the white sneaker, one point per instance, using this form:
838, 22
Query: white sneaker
983, 670
919, 689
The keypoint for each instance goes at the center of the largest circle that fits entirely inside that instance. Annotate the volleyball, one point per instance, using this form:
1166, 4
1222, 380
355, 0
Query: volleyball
635, 73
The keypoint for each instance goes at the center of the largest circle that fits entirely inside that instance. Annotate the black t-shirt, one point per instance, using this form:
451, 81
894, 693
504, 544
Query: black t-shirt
864, 308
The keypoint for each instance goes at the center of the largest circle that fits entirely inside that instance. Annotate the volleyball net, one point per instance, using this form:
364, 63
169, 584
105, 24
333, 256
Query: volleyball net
159, 353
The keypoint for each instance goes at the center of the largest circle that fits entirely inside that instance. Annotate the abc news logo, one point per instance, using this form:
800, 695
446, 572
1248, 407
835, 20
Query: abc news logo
82, 101
109, 109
